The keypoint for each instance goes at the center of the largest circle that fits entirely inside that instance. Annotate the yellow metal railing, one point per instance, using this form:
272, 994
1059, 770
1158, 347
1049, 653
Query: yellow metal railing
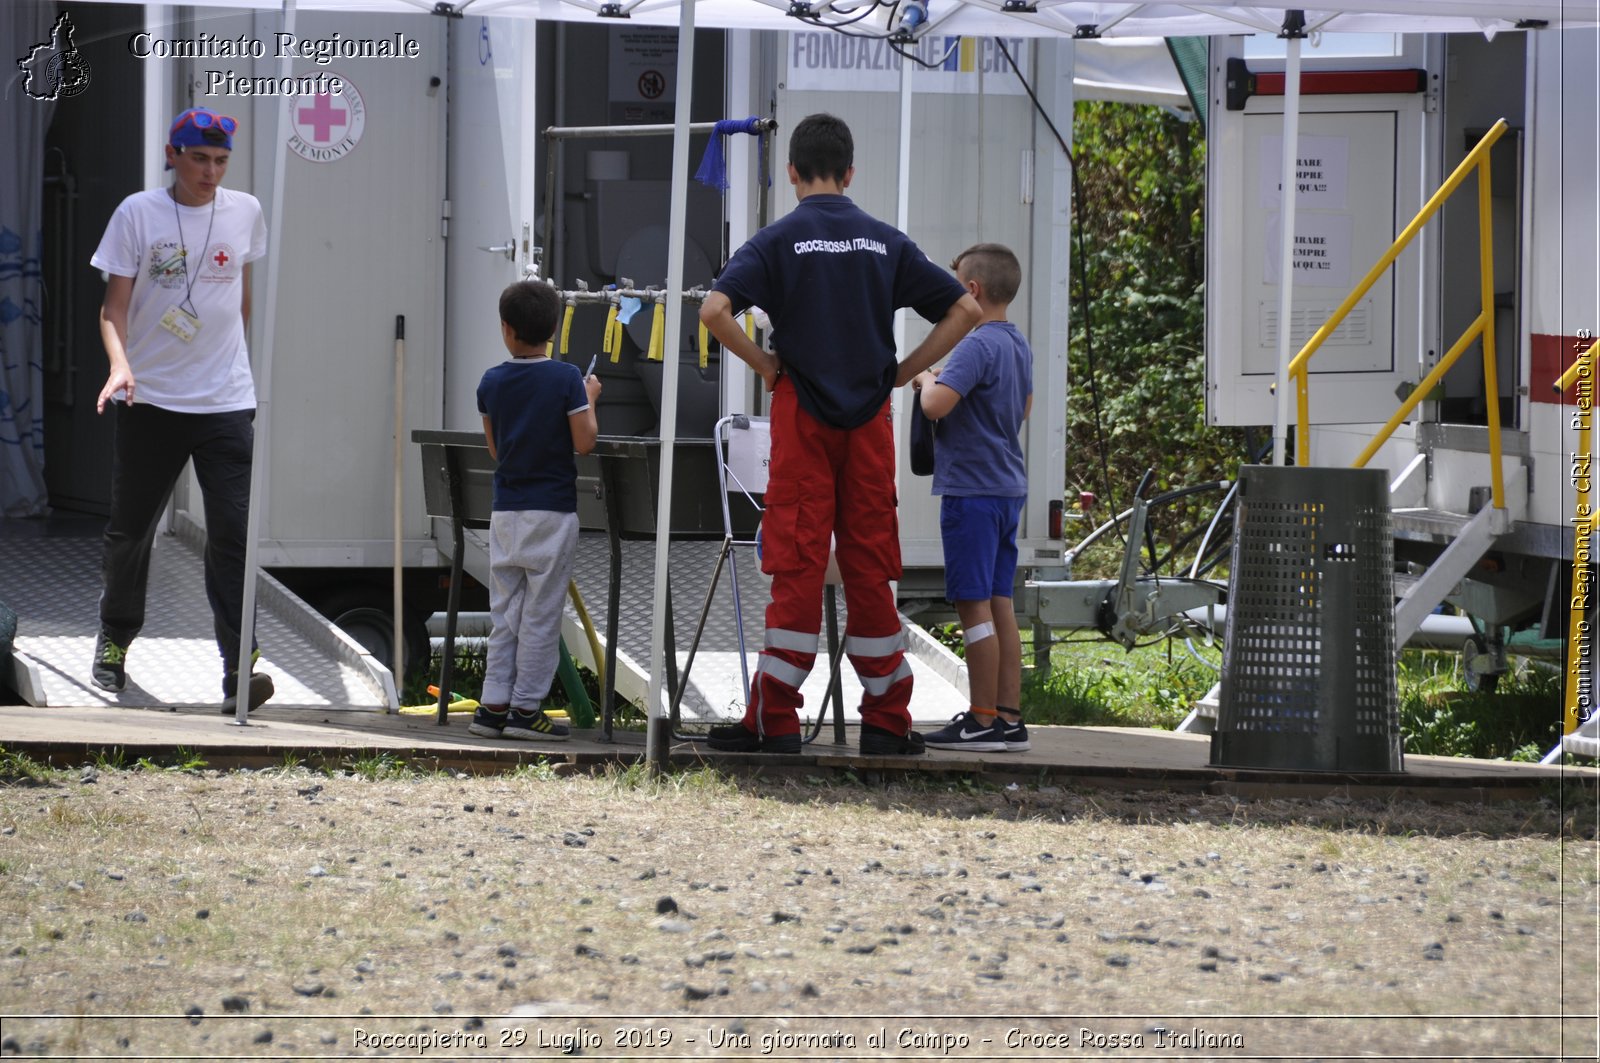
1580, 372
1482, 326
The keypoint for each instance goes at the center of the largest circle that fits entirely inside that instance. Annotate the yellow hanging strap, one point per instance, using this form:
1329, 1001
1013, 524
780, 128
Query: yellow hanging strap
750, 325
606, 343
658, 332
705, 346
566, 328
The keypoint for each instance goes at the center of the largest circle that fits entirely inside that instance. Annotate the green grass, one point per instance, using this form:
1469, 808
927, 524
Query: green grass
1097, 683
379, 766
18, 767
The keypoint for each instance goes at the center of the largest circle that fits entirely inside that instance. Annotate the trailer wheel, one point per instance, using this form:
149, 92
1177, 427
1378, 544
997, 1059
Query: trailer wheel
373, 627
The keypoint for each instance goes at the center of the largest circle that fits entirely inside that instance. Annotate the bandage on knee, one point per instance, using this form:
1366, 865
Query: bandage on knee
977, 633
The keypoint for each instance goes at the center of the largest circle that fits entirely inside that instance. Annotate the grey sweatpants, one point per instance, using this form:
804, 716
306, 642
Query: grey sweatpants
530, 563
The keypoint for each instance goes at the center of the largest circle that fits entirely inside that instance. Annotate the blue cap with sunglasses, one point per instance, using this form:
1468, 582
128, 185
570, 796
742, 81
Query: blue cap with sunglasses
198, 127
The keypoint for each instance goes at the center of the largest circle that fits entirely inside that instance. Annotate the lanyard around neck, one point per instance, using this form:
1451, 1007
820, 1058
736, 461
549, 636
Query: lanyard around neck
183, 252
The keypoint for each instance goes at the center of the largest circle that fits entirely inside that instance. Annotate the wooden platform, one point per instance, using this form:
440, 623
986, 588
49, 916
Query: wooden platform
1124, 758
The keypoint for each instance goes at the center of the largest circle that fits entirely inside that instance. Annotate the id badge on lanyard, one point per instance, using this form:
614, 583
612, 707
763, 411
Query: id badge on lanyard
181, 323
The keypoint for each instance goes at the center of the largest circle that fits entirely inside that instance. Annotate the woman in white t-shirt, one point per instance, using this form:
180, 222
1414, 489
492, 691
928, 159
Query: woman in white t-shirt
173, 322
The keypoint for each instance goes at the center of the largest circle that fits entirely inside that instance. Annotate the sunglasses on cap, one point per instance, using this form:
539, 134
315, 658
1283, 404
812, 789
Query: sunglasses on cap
205, 120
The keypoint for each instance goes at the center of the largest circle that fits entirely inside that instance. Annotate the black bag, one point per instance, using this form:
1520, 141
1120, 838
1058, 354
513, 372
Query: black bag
923, 432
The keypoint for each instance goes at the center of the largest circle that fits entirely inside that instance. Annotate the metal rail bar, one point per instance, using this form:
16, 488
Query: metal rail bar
1476, 159
576, 132
1420, 392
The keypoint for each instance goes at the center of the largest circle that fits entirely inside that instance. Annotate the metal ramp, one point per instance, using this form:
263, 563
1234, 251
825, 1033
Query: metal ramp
714, 691
53, 583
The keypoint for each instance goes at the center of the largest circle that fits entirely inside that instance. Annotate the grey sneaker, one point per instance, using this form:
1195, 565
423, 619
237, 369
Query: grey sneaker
258, 692
109, 669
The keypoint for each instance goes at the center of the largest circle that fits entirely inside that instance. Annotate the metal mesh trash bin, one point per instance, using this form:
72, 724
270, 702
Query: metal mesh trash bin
1308, 663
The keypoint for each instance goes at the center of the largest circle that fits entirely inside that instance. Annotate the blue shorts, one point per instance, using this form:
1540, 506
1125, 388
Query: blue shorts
980, 545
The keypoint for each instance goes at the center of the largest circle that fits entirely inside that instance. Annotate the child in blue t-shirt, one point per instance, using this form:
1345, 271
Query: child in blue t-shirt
536, 413
981, 398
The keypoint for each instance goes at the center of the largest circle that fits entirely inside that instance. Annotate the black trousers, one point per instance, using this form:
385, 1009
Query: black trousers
150, 449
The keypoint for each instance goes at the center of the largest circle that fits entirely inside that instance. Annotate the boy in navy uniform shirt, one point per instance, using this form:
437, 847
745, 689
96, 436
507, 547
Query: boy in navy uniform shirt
830, 278
536, 413
981, 398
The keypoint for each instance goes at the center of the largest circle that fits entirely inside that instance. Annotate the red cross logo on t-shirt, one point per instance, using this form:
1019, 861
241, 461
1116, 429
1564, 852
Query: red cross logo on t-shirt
217, 262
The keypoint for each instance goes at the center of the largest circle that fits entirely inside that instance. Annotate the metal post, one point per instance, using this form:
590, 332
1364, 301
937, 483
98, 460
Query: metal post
658, 732
1286, 200
399, 645
260, 455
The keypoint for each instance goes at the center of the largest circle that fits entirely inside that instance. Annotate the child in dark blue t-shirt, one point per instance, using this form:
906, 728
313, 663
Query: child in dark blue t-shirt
536, 413
981, 398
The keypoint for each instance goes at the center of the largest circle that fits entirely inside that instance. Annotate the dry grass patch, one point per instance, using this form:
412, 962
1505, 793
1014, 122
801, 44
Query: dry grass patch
276, 912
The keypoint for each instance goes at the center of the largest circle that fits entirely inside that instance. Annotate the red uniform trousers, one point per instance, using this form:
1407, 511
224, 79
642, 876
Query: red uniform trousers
830, 482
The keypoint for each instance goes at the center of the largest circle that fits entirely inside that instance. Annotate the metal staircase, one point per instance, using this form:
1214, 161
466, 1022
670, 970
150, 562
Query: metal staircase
1469, 537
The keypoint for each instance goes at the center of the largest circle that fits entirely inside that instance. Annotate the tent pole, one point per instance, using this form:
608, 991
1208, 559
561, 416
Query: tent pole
1286, 200
902, 199
657, 729
260, 451
398, 569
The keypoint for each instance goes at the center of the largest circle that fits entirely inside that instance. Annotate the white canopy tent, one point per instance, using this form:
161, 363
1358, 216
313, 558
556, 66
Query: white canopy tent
1052, 18
973, 18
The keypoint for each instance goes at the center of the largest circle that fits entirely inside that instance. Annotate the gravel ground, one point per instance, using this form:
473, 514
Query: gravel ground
286, 913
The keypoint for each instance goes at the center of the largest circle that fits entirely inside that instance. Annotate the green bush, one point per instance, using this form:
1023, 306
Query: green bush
1142, 175
1521, 720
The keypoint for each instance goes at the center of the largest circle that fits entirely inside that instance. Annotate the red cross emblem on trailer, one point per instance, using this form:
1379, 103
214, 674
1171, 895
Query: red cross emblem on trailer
327, 126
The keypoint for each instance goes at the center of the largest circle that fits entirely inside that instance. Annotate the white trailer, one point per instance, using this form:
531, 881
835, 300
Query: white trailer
1385, 121
415, 196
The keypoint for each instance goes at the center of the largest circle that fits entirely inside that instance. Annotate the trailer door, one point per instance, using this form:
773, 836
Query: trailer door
491, 219
361, 247
1365, 133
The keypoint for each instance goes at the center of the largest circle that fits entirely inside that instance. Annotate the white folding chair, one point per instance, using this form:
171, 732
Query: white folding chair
743, 452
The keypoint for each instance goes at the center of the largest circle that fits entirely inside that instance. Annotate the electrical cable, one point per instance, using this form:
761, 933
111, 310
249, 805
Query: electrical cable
915, 58
1083, 279
838, 27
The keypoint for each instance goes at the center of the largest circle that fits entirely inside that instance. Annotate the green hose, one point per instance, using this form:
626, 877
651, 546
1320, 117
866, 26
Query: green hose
581, 710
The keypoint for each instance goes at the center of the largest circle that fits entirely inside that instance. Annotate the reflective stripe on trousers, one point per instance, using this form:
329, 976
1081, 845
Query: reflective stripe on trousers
830, 483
